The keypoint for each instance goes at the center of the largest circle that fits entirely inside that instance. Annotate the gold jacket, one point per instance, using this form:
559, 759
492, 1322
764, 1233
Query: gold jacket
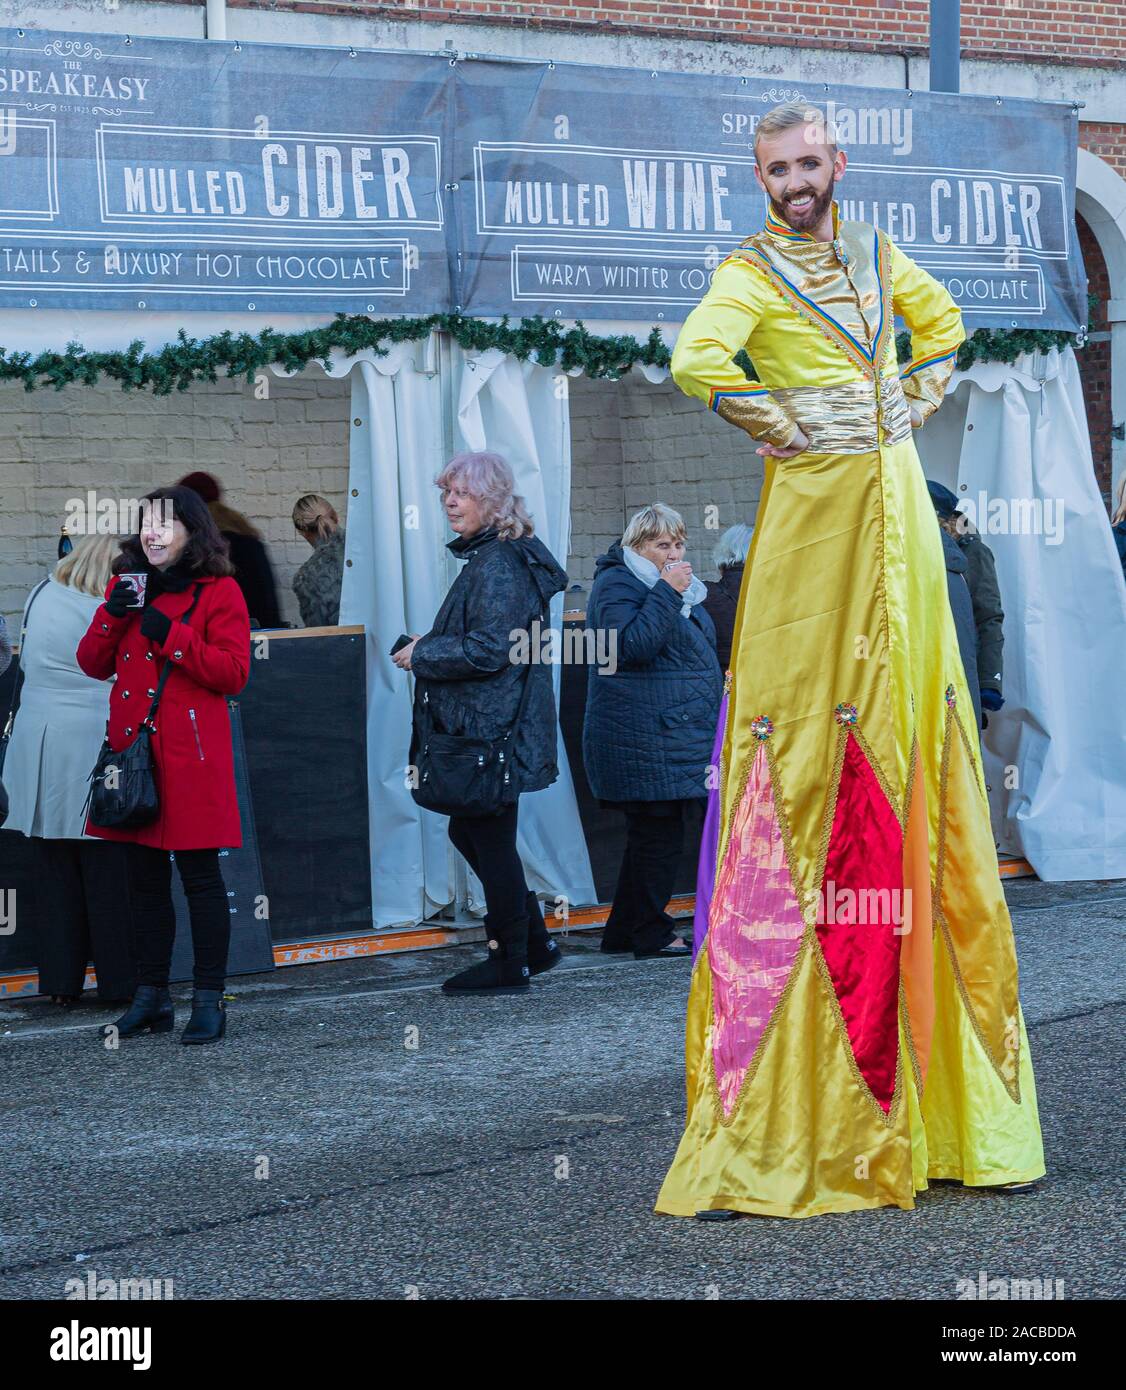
817, 320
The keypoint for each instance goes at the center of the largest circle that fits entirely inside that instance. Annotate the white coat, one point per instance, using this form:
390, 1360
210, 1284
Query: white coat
60, 723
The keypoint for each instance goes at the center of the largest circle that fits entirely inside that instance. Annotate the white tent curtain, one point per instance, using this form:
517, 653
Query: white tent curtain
1055, 755
521, 410
398, 571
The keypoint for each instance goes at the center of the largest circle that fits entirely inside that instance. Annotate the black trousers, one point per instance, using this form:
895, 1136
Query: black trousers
654, 841
512, 912
84, 914
154, 918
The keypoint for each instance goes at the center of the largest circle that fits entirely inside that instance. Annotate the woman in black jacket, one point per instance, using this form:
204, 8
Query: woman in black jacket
722, 602
470, 668
650, 721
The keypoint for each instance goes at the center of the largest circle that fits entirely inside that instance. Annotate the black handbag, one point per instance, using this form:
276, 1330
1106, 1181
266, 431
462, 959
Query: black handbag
458, 775
6, 736
123, 793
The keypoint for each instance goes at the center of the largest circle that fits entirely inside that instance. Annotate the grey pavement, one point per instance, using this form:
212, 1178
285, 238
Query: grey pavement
516, 1151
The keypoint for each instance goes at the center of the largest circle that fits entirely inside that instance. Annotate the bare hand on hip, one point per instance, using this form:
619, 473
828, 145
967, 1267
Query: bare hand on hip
798, 445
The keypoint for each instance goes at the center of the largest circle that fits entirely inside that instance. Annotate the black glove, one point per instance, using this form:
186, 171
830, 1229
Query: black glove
991, 699
156, 625
121, 599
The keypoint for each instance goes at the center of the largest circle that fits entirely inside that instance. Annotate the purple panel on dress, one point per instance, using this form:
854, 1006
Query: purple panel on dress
709, 845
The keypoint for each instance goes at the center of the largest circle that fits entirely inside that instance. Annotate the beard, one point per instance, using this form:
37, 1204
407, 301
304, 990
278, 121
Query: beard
809, 217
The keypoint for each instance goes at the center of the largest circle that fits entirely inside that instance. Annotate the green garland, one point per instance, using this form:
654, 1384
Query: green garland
179, 364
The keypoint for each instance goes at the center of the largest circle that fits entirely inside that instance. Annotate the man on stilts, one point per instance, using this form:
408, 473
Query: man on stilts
854, 1027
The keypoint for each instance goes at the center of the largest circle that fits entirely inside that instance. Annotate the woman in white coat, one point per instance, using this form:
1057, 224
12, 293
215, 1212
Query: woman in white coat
81, 883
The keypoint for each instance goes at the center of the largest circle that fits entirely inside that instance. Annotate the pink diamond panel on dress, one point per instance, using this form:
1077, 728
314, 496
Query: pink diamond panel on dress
754, 931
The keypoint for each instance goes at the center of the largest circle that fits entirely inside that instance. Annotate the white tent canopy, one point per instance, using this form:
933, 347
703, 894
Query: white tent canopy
1012, 443
1008, 432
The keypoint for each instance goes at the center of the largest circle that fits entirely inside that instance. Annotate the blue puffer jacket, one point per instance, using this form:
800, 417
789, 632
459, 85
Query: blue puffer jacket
650, 725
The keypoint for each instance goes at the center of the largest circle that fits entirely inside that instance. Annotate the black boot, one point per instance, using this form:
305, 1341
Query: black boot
150, 1012
504, 970
543, 950
208, 1022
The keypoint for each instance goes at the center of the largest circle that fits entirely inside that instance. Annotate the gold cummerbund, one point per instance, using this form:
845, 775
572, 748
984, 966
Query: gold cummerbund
846, 419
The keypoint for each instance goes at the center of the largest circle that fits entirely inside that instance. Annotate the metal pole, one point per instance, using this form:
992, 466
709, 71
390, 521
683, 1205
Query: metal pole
946, 28
216, 19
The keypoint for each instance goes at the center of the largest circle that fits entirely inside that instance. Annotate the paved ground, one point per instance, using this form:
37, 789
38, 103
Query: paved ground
436, 1171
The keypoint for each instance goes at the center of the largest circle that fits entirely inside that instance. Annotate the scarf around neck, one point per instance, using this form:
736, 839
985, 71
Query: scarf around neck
648, 573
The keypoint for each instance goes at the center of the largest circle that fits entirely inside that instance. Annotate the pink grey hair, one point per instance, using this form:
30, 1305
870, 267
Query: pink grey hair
488, 480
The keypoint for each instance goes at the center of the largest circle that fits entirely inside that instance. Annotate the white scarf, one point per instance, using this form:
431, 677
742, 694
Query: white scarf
648, 573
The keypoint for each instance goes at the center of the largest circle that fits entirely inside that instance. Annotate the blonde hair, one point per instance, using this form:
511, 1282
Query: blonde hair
315, 516
653, 522
1120, 502
489, 481
89, 566
795, 113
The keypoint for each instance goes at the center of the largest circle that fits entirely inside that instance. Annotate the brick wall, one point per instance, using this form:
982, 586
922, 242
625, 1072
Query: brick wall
634, 443
1062, 31
265, 452
1107, 139
1094, 359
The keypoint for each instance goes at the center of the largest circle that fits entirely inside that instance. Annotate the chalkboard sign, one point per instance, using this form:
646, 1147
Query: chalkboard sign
304, 712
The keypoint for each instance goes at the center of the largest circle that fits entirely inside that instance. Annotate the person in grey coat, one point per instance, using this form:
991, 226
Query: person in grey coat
470, 670
82, 883
650, 721
318, 582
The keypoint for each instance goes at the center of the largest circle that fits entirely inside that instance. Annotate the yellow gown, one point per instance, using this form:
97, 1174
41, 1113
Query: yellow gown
853, 1023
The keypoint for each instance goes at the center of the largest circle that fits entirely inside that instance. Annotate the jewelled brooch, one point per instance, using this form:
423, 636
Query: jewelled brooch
762, 727
845, 714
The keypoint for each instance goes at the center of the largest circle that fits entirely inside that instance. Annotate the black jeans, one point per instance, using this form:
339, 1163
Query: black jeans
654, 841
154, 918
512, 912
84, 915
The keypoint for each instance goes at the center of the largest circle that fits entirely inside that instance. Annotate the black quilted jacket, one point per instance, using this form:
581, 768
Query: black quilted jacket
650, 725
464, 661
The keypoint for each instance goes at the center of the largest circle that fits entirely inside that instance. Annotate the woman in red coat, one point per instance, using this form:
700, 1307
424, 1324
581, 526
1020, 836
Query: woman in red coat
180, 551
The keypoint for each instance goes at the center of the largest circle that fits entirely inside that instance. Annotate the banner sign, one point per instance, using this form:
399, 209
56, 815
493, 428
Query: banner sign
615, 193
157, 174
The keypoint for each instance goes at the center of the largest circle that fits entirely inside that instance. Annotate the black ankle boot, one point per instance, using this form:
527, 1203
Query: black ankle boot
150, 1012
503, 971
208, 1022
543, 950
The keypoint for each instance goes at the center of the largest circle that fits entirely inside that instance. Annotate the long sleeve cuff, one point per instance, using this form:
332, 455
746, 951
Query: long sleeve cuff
925, 381
757, 412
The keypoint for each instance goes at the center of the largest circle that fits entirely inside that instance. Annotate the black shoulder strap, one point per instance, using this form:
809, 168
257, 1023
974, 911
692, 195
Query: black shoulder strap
151, 716
17, 684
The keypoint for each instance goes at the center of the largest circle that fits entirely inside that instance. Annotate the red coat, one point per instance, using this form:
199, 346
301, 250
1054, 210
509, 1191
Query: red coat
192, 752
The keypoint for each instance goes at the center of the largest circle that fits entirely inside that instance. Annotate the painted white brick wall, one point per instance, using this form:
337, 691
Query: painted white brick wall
266, 453
670, 449
631, 443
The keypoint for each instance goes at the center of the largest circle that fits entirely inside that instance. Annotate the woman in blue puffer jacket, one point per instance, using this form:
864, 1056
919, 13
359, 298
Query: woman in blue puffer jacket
650, 717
